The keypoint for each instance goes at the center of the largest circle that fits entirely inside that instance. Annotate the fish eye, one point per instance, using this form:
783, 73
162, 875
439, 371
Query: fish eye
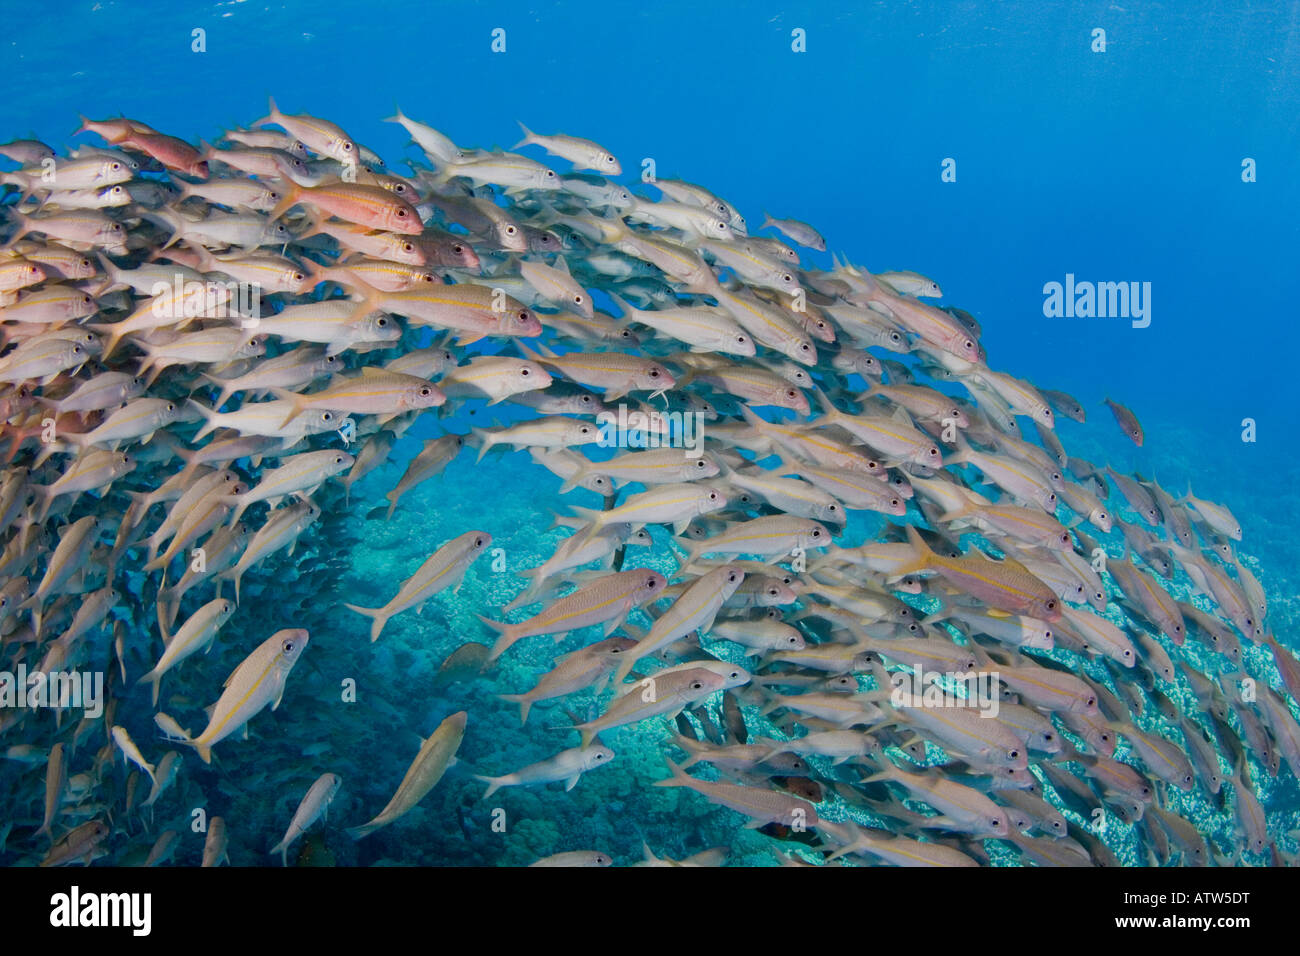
347, 147
401, 213
713, 496
1051, 605
327, 416
894, 502
478, 542
578, 299
297, 276
696, 685
550, 174
525, 372
933, 450
288, 646
523, 315
654, 373
817, 532
1091, 701
408, 247
426, 391
381, 322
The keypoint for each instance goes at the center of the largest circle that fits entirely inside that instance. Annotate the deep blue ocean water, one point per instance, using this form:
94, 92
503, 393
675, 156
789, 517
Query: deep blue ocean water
1122, 165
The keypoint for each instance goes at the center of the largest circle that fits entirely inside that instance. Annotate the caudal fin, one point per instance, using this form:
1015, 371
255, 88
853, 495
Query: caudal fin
154, 680
679, 778
508, 634
525, 704
529, 137
494, 784
377, 616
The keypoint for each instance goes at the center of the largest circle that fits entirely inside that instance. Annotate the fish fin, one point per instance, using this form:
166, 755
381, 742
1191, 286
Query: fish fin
377, 616
529, 137
294, 399
921, 553
494, 784
679, 776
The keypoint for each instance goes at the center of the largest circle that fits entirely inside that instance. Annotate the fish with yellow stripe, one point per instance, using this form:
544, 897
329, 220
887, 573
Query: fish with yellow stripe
258, 681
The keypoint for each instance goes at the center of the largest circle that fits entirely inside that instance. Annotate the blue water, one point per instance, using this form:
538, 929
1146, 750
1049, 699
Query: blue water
1124, 165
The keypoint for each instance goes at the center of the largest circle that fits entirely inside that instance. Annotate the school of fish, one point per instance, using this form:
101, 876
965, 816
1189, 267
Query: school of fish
169, 435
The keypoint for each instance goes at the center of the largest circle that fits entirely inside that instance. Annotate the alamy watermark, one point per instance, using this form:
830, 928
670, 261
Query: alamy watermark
649, 428
1100, 300
54, 689
977, 690
209, 299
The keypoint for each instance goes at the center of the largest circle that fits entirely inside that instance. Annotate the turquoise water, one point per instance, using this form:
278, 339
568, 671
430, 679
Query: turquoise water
1117, 166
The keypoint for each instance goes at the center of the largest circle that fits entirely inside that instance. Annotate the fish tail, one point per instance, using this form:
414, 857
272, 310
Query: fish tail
292, 192
956, 514
629, 310
824, 402
494, 784
573, 482
508, 636
589, 515
205, 752
485, 442
209, 419
625, 667
525, 704
114, 336
294, 399
241, 503
529, 137
224, 395
314, 222
24, 226
272, 113
377, 616
154, 680
678, 778
921, 553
